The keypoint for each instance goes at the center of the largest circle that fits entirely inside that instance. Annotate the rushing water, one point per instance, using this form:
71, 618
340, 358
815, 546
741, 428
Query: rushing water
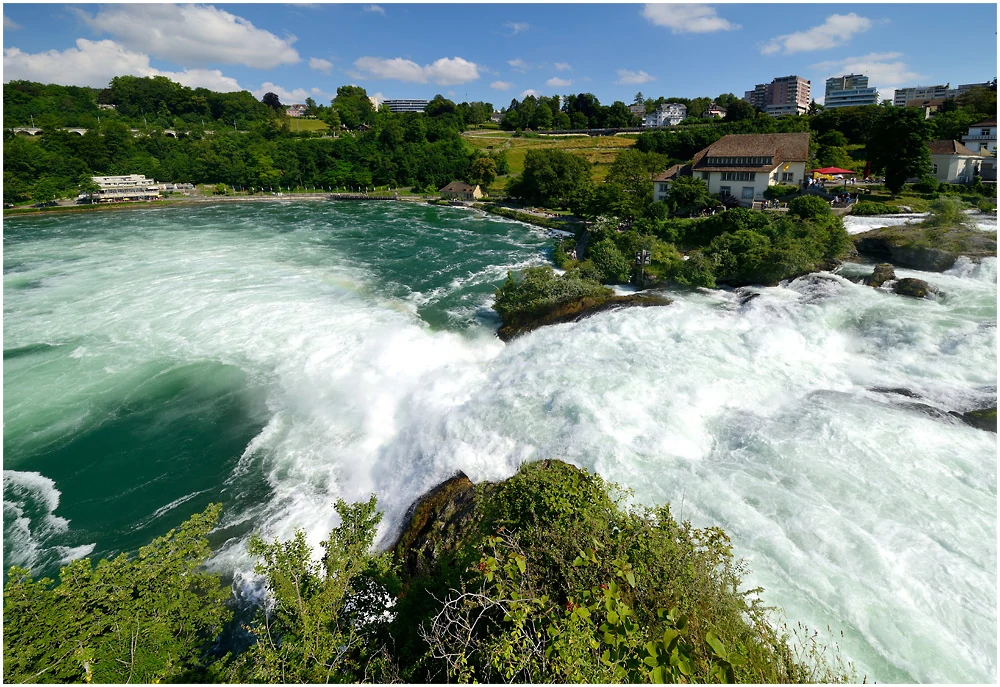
275, 356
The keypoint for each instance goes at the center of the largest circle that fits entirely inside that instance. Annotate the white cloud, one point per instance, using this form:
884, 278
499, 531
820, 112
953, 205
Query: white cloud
192, 35
884, 70
556, 82
836, 30
518, 65
525, 94
501, 85
447, 71
517, 27
290, 97
626, 76
687, 18
320, 65
375, 8
94, 63
9, 24
563, 67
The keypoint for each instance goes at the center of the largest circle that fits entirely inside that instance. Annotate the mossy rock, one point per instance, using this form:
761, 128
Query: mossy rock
578, 309
882, 273
985, 419
917, 288
931, 249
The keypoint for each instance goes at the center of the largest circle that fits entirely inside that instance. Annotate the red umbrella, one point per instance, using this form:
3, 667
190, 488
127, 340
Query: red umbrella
834, 170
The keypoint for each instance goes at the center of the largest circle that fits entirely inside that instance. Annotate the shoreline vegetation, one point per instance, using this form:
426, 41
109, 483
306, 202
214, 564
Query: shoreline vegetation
546, 576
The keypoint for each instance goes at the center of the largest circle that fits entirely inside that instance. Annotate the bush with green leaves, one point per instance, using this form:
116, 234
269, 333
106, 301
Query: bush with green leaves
537, 290
809, 207
780, 191
145, 619
325, 619
571, 586
867, 208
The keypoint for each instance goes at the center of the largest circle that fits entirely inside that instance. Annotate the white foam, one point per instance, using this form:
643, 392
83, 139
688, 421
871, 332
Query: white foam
853, 510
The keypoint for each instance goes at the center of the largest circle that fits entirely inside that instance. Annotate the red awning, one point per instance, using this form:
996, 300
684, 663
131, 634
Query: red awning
834, 170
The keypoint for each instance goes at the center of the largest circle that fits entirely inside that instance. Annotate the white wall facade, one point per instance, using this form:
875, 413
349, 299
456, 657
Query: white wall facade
981, 139
954, 169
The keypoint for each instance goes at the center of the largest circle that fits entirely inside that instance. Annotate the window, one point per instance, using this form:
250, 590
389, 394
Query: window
748, 193
984, 132
788, 176
935, 169
724, 191
663, 188
704, 176
738, 176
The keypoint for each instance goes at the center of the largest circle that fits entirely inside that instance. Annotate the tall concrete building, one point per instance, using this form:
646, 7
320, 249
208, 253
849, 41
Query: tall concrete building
850, 90
784, 95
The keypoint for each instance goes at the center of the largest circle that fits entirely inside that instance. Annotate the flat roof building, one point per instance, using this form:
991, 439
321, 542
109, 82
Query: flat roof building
405, 105
126, 187
850, 90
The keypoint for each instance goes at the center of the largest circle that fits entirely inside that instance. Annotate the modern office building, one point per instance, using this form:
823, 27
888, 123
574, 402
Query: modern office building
850, 90
405, 105
784, 95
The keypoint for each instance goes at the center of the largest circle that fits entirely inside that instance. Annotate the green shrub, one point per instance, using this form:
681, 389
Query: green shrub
613, 266
809, 207
867, 208
780, 191
927, 184
986, 206
538, 290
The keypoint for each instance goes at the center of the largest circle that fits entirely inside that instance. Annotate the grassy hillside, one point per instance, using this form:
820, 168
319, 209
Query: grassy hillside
599, 151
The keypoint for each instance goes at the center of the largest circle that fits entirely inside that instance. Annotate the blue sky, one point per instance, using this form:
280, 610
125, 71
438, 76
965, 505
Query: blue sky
495, 52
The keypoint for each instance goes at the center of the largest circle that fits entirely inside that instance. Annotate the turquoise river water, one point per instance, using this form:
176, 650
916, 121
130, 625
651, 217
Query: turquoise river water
275, 356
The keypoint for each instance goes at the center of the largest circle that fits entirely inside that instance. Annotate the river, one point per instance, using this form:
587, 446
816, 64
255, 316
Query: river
275, 356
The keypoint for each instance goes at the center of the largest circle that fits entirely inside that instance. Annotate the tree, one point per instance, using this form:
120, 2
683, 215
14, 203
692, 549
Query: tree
324, 617
688, 195
815, 108
272, 101
638, 100
551, 177
88, 186
483, 171
353, 106
897, 146
145, 619
738, 110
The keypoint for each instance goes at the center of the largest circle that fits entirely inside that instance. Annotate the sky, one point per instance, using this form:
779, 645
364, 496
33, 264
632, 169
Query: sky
496, 52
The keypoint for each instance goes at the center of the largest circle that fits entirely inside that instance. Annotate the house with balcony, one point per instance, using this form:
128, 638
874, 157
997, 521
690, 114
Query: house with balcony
714, 111
668, 114
743, 166
953, 163
982, 137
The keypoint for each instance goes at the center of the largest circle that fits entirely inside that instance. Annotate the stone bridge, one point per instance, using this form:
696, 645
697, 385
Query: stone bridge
35, 131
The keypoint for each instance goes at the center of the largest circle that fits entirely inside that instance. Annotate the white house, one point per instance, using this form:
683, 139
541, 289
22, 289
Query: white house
714, 111
669, 114
743, 165
982, 137
953, 162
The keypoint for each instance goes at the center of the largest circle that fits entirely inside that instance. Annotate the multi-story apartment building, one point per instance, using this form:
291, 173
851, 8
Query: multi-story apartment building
904, 95
405, 105
125, 187
784, 95
850, 90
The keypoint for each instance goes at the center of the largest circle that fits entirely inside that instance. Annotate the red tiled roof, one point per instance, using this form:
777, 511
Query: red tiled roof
670, 174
